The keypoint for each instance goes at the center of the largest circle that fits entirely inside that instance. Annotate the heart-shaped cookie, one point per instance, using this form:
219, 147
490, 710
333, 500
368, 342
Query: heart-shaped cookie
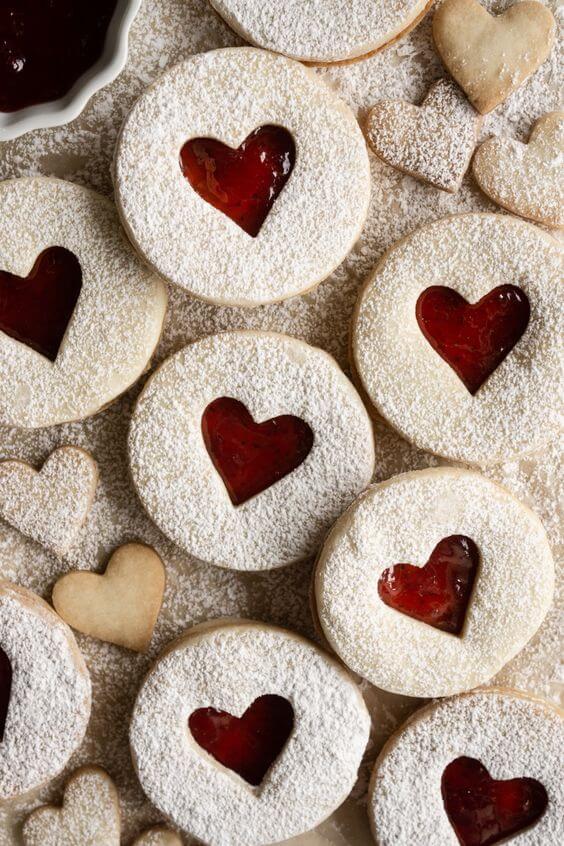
484, 811
122, 605
158, 836
490, 57
432, 142
89, 815
527, 179
51, 505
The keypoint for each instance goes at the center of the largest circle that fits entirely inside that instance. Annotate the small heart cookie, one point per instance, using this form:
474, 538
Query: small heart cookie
490, 57
527, 179
158, 836
432, 142
51, 505
89, 815
122, 605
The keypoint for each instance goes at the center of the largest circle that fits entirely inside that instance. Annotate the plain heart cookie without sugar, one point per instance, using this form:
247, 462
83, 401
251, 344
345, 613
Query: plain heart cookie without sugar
432, 142
527, 179
227, 742
50, 505
89, 815
417, 583
490, 57
482, 768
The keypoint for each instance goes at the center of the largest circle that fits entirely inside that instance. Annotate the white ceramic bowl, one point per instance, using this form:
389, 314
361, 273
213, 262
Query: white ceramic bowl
67, 108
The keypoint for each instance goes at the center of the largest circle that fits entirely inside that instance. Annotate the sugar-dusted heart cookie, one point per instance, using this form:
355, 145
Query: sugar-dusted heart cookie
158, 836
490, 57
527, 179
50, 505
432, 142
482, 768
236, 723
122, 605
89, 815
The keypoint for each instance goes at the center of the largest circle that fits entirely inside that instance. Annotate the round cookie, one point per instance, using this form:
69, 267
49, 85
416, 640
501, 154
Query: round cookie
246, 446
461, 298
432, 581
325, 31
44, 692
81, 328
238, 748
214, 117
485, 765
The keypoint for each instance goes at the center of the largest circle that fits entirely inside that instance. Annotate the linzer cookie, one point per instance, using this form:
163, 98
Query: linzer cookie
249, 204
432, 581
247, 733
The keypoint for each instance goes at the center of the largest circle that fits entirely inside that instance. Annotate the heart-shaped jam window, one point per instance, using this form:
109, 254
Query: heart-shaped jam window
249, 456
438, 593
5, 690
483, 811
36, 309
473, 339
243, 183
250, 744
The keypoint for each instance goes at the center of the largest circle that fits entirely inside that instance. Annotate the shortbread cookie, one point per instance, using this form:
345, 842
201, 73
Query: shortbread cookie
456, 337
249, 203
51, 505
246, 734
432, 142
323, 31
79, 314
490, 57
481, 768
120, 606
158, 836
48, 692
245, 447
432, 581
527, 179
89, 815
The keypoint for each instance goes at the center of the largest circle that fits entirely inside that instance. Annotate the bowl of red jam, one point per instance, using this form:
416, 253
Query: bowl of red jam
55, 55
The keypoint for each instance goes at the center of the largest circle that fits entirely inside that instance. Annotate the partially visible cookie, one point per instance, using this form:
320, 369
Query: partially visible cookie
89, 815
158, 836
527, 179
490, 57
432, 142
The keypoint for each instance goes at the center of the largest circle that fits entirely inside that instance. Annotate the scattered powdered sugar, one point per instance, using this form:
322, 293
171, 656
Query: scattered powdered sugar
49, 704
312, 775
512, 736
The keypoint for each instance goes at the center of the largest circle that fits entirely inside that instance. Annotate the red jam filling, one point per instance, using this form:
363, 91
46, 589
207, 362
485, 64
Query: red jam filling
249, 456
242, 183
250, 744
37, 309
438, 593
46, 46
5, 690
473, 339
484, 811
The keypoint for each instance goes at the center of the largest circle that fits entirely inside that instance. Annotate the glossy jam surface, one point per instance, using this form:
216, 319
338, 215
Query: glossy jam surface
249, 456
242, 183
473, 339
250, 744
45, 45
484, 811
37, 309
5, 690
438, 593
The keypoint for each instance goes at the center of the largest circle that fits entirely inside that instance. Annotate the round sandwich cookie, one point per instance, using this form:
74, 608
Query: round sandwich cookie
432, 581
456, 338
324, 31
245, 734
80, 316
246, 446
241, 177
44, 692
474, 770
